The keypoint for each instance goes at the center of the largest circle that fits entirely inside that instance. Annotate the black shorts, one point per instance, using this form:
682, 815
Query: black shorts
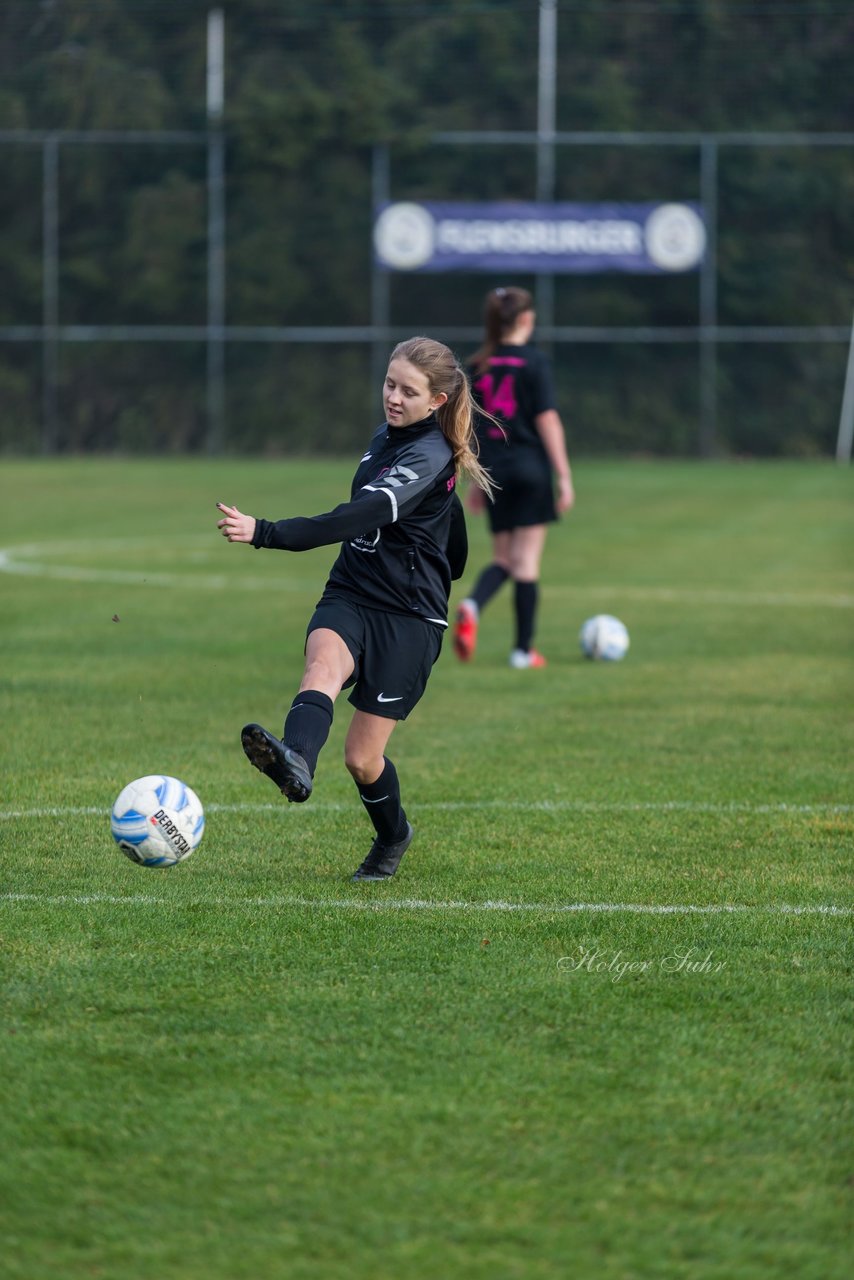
394, 654
526, 495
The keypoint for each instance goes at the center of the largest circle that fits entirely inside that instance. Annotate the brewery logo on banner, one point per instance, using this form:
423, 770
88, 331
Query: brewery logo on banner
496, 237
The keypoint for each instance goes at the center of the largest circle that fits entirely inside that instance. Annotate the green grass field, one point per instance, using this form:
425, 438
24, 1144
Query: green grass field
600, 1023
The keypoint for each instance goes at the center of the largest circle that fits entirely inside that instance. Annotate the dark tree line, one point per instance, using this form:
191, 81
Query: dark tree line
311, 87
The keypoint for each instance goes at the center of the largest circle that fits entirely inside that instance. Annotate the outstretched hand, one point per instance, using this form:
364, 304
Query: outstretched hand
236, 526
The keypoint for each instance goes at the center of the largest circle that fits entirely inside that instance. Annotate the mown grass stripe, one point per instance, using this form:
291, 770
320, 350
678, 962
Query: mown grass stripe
15, 560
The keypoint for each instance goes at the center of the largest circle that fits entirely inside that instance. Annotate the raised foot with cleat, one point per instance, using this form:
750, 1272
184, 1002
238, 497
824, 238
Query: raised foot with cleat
283, 766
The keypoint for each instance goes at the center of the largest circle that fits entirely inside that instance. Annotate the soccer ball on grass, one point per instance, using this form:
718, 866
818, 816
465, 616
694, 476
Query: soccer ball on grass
604, 638
157, 821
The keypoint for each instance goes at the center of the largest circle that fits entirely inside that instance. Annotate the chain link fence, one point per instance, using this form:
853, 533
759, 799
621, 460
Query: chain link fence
178, 290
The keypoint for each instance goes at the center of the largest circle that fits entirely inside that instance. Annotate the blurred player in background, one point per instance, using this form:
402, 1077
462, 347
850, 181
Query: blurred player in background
526, 457
378, 626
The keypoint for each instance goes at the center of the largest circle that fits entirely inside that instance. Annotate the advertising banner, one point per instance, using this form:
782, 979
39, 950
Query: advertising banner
505, 237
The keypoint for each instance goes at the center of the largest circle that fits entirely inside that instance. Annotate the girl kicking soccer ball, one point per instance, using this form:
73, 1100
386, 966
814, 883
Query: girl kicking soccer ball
378, 627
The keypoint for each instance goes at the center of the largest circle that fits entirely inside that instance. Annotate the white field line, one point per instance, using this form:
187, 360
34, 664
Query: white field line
417, 904
35, 560
734, 807
276, 901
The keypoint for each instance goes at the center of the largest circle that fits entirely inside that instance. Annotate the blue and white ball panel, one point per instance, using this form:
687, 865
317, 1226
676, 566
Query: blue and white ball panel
157, 821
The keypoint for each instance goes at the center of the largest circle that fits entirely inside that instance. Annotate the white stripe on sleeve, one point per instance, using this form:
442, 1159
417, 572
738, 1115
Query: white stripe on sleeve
375, 488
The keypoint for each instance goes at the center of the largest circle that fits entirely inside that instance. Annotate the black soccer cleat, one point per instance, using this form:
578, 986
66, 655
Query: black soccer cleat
282, 765
384, 859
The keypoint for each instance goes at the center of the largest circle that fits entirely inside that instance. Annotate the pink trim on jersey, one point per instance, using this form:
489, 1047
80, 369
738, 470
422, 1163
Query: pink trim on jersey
516, 361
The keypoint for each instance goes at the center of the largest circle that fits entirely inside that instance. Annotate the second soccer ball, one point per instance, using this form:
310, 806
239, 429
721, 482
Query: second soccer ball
604, 638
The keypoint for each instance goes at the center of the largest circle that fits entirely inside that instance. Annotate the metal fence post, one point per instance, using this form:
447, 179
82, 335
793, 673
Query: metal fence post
709, 301
380, 284
215, 386
50, 293
546, 119
845, 435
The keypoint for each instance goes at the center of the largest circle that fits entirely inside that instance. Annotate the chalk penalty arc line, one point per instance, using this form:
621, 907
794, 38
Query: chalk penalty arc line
147, 578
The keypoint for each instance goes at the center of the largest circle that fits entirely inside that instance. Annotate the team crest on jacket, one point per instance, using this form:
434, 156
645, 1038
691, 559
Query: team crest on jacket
366, 541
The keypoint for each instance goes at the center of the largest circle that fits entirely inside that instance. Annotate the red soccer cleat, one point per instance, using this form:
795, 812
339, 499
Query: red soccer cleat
465, 630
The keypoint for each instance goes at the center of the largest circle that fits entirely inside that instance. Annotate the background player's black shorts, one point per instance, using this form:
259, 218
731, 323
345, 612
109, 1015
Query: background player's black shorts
526, 495
394, 654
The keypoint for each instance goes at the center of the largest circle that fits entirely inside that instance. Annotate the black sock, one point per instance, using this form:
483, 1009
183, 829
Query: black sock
308, 724
490, 581
526, 595
382, 804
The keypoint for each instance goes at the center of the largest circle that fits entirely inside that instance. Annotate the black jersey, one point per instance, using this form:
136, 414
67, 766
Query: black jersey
515, 387
402, 532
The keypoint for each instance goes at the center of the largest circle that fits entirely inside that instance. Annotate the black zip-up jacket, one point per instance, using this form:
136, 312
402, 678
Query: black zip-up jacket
403, 531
